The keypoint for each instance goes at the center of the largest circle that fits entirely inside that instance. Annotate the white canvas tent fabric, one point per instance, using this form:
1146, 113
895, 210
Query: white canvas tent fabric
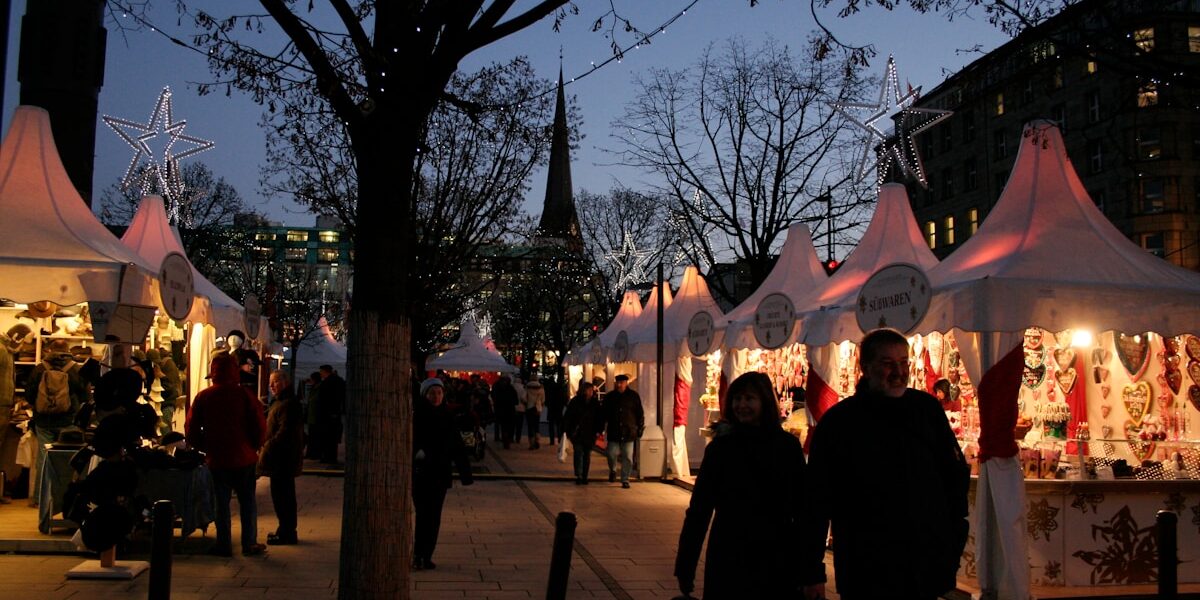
891, 237
469, 353
1047, 257
318, 347
798, 274
54, 248
645, 374
631, 309
153, 238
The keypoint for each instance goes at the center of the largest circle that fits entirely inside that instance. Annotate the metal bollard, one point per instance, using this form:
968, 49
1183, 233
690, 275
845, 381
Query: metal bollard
1168, 555
161, 549
560, 556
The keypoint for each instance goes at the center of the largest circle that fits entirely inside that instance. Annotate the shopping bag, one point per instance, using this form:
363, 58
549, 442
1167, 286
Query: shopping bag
564, 448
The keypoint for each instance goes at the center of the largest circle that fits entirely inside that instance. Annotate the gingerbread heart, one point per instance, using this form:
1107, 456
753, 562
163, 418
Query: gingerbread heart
1100, 356
1066, 379
1034, 376
1194, 370
1172, 361
1105, 390
1174, 380
1106, 431
1134, 353
1141, 450
1191, 344
1100, 374
1065, 357
1194, 396
1137, 398
1105, 408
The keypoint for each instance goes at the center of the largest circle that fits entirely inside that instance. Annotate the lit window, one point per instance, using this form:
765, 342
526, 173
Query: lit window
297, 236
1153, 195
948, 223
266, 237
327, 254
973, 217
999, 104
1144, 39
1147, 95
328, 236
1149, 143
1193, 39
931, 234
296, 254
1092, 67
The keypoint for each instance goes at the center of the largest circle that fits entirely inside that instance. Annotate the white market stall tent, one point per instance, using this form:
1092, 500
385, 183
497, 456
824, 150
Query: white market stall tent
318, 347
470, 353
1046, 257
56, 250
591, 359
642, 375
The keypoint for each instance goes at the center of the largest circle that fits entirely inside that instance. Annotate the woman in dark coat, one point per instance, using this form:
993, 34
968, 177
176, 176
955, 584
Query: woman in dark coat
282, 457
753, 478
437, 445
581, 422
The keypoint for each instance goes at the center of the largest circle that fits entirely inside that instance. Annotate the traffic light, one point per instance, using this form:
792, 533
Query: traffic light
831, 266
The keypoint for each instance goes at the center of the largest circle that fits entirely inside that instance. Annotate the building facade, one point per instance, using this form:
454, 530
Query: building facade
1120, 80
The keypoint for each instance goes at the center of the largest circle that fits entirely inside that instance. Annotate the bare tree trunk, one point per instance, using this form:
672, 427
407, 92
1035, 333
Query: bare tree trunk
376, 536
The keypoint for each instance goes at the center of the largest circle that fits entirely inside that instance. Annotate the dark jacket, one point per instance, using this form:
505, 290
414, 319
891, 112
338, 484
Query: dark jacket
437, 445
504, 396
623, 416
753, 478
331, 397
283, 450
891, 478
582, 421
226, 421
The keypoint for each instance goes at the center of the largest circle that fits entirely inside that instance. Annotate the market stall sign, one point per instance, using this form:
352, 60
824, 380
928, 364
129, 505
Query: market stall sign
253, 313
597, 353
620, 351
700, 333
773, 321
176, 288
896, 296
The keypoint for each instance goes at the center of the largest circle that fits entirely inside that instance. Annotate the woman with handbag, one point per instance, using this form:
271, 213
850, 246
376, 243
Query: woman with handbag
437, 446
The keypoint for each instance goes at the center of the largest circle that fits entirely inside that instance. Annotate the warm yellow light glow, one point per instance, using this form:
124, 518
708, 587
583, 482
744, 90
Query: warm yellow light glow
1081, 338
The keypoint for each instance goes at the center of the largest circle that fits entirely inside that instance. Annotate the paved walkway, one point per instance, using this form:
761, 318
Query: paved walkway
495, 543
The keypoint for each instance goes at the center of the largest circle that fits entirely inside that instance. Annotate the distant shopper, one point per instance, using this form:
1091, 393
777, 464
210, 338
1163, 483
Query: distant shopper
56, 391
624, 423
331, 405
312, 392
753, 478
282, 457
900, 532
226, 423
535, 401
519, 413
556, 402
437, 446
581, 422
504, 396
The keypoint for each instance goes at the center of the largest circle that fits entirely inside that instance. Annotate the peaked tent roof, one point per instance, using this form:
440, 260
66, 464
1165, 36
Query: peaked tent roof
693, 296
646, 324
1047, 257
151, 235
631, 309
469, 353
892, 237
797, 274
319, 347
55, 249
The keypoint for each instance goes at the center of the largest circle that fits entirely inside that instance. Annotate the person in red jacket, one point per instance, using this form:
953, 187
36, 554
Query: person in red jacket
227, 424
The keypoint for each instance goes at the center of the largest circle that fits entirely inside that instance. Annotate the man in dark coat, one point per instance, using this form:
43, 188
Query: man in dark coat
556, 401
282, 457
624, 423
890, 477
504, 396
331, 405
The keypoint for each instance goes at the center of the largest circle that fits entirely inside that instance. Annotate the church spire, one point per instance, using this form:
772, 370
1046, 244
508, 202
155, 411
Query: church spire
559, 221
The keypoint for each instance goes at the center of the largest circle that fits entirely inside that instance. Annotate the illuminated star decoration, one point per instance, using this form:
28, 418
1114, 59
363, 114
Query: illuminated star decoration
686, 245
902, 148
629, 263
161, 165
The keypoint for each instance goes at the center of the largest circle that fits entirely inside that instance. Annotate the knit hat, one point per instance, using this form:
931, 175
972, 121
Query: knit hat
428, 383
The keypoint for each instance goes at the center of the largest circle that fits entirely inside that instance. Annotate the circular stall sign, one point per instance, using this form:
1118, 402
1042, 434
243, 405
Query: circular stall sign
176, 288
773, 321
700, 333
896, 296
253, 312
620, 350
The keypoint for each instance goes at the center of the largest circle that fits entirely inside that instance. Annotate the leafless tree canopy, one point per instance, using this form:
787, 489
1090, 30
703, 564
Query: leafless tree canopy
746, 145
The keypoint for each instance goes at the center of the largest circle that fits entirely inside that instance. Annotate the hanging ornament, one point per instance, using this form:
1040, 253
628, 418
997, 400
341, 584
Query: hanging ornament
898, 145
161, 173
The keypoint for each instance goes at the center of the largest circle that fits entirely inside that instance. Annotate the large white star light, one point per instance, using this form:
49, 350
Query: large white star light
687, 245
910, 122
629, 262
161, 158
